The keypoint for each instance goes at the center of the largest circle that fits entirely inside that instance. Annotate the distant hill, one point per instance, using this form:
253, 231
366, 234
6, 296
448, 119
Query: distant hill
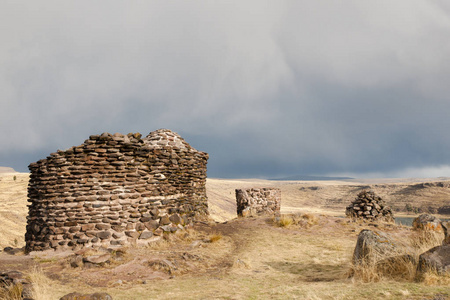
311, 178
7, 170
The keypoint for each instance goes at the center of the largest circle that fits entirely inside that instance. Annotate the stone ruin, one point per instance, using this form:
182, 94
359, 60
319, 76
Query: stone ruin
368, 206
258, 201
115, 190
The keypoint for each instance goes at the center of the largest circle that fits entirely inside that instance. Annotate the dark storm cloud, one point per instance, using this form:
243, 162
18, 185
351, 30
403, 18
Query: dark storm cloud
268, 89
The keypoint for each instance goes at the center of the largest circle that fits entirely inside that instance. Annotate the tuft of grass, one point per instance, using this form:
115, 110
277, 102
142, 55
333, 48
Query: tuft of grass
391, 265
285, 221
309, 220
41, 284
433, 278
11, 292
303, 220
215, 237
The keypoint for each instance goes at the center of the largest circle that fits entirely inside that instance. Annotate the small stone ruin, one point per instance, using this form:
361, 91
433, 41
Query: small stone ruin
258, 201
368, 206
114, 190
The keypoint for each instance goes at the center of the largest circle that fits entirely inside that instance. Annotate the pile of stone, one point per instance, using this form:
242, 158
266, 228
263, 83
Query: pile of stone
369, 206
258, 201
114, 190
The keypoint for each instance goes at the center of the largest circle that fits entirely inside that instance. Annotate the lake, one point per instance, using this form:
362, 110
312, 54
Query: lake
407, 221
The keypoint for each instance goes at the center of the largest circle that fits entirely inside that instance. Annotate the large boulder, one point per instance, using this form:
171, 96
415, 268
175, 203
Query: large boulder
436, 259
374, 246
427, 222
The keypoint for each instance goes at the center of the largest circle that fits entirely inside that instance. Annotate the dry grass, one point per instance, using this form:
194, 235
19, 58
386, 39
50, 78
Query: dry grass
11, 292
243, 259
423, 240
399, 268
433, 279
42, 285
399, 265
13, 209
303, 220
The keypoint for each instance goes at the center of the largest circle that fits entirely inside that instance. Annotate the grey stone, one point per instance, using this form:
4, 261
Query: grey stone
97, 259
427, 222
146, 235
94, 296
372, 246
436, 259
104, 235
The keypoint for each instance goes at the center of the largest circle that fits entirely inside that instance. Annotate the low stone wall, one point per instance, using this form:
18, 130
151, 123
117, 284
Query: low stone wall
258, 201
114, 190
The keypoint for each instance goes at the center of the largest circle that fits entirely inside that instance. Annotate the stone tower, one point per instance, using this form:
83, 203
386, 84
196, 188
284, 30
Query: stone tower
114, 190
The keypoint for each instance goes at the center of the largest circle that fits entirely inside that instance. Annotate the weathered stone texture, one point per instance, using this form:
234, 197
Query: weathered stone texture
369, 206
258, 201
427, 222
113, 189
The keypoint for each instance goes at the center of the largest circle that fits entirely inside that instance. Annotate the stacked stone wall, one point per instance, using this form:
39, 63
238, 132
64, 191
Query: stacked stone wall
114, 190
258, 201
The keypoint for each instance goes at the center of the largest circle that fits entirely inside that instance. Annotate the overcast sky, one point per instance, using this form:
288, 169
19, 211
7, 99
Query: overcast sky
267, 88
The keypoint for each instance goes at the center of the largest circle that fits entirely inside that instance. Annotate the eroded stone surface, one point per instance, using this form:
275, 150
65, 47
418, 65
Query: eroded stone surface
436, 259
373, 246
427, 222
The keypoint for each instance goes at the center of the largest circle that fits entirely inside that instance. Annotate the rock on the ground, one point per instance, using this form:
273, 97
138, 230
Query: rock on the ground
98, 259
373, 246
427, 222
446, 228
14, 278
436, 259
78, 296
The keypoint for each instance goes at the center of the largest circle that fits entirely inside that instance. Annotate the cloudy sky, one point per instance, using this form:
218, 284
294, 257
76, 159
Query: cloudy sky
267, 88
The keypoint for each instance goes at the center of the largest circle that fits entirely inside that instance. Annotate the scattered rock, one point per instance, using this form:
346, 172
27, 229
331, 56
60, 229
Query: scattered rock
13, 251
163, 264
76, 261
78, 296
15, 278
97, 259
427, 222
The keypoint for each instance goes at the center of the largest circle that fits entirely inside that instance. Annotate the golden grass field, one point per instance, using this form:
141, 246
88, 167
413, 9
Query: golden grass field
253, 258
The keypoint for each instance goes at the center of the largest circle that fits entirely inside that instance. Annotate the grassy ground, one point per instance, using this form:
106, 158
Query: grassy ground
13, 209
251, 258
